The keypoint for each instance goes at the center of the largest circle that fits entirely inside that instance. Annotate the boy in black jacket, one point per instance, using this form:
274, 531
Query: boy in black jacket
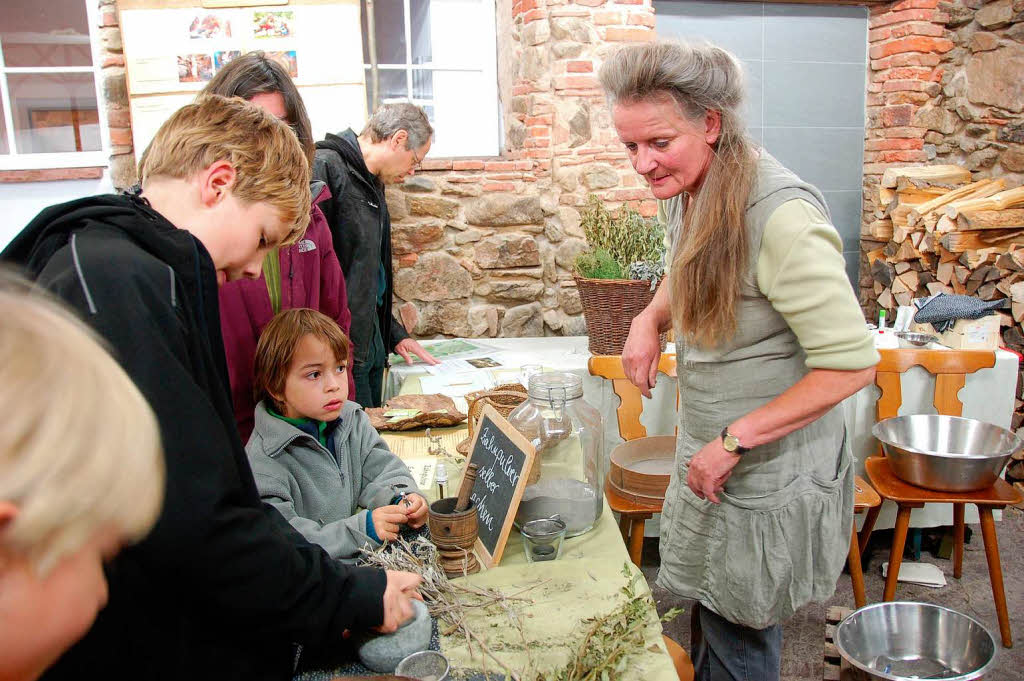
223, 588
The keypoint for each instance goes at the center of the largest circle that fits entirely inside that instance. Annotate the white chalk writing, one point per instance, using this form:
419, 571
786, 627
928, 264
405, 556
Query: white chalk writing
504, 461
482, 511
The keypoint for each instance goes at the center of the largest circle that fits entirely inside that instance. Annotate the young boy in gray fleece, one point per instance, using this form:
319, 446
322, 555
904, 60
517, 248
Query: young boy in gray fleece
314, 455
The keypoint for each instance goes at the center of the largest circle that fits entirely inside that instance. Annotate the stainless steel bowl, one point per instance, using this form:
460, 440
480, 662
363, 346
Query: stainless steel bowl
946, 453
904, 640
912, 339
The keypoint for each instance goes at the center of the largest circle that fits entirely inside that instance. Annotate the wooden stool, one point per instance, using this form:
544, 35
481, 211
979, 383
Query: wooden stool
909, 497
632, 514
865, 499
950, 368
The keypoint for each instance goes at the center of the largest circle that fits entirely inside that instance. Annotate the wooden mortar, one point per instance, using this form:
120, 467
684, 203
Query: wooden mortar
454, 534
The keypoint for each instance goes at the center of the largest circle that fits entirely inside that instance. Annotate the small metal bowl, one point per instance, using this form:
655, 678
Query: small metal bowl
911, 339
903, 640
427, 665
945, 453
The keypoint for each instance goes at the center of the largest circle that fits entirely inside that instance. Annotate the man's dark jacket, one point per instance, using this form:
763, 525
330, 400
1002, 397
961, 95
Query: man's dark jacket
361, 227
223, 587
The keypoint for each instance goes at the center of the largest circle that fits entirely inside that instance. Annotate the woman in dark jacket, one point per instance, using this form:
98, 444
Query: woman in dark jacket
305, 274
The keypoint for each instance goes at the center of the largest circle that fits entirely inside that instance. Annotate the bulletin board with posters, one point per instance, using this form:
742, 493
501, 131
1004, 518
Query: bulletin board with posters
174, 47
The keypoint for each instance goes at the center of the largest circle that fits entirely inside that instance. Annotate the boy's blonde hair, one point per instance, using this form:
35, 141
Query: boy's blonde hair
263, 150
79, 446
276, 348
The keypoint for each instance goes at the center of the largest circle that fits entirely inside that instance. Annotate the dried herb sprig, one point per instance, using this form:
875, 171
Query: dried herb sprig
603, 654
449, 602
627, 236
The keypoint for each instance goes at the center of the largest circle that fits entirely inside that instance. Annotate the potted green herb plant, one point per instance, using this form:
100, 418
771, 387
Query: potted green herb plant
620, 272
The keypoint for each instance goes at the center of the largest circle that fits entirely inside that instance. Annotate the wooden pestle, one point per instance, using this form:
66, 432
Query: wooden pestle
467, 488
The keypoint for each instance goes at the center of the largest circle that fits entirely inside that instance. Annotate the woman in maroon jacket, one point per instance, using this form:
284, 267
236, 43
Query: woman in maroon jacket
306, 274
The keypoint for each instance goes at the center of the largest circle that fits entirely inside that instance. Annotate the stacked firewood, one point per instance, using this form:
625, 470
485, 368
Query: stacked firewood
937, 230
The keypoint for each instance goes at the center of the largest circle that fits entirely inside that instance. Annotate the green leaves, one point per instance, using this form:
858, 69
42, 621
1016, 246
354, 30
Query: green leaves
625, 235
598, 264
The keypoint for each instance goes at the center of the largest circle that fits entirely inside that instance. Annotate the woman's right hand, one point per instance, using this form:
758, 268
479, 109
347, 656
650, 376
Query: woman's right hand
642, 352
402, 588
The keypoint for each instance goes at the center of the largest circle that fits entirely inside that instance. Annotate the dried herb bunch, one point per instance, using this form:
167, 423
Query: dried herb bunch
447, 601
600, 655
624, 237
603, 654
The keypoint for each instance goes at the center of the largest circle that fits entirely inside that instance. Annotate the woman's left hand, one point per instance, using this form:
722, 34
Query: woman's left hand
709, 469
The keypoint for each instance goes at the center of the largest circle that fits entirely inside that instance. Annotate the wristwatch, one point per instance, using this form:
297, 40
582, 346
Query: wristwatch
731, 443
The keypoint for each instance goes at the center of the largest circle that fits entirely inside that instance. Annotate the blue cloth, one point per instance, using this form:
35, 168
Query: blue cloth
370, 529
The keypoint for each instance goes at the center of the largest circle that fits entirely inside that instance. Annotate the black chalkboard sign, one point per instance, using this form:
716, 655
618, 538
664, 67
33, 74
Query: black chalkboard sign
503, 457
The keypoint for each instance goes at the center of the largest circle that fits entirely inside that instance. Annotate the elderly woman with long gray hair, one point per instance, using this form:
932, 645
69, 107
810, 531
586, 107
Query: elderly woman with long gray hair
770, 338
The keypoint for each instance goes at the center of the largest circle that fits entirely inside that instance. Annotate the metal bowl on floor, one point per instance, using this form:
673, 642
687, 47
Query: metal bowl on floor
946, 453
912, 339
903, 640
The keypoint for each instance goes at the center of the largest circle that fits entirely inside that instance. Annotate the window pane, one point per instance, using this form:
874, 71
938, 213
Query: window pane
390, 31
465, 115
422, 84
54, 112
51, 33
419, 17
392, 86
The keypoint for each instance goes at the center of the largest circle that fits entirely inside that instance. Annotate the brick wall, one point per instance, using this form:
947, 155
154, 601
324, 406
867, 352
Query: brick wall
945, 85
115, 97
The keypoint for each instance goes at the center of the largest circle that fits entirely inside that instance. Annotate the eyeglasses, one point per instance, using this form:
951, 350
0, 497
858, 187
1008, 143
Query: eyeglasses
416, 161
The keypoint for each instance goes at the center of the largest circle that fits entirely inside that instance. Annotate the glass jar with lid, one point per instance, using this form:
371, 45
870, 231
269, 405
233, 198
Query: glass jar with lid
567, 478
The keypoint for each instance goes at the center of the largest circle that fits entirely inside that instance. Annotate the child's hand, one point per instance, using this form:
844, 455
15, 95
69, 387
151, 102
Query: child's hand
416, 511
386, 520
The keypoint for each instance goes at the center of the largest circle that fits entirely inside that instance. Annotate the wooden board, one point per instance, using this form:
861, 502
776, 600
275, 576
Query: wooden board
833, 662
503, 457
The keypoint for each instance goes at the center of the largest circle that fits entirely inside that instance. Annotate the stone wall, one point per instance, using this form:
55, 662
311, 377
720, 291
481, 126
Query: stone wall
484, 247
945, 85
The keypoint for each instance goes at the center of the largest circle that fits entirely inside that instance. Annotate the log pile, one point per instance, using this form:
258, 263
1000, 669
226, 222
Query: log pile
937, 230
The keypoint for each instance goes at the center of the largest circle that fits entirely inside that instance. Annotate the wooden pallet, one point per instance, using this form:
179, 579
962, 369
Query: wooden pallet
833, 663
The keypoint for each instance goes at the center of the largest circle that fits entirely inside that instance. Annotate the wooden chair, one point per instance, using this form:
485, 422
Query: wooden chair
865, 498
632, 515
950, 368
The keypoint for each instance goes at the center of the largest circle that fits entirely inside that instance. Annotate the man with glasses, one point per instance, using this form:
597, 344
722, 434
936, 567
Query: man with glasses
356, 168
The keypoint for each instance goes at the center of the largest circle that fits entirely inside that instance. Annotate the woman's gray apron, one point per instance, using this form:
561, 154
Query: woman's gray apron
781, 534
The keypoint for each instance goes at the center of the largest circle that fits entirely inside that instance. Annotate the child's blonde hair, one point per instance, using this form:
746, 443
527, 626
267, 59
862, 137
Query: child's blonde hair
263, 150
276, 348
79, 446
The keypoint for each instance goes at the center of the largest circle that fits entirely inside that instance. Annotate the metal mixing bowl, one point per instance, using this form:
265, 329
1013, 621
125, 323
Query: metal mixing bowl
904, 640
945, 453
912, 339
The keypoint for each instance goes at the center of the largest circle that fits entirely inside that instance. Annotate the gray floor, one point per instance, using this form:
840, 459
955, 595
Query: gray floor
803, 637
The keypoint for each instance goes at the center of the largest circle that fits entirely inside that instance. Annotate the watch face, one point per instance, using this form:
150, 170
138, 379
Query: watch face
730, 443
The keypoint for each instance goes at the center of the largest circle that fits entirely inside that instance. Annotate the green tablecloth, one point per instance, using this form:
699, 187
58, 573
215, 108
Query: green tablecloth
585, 582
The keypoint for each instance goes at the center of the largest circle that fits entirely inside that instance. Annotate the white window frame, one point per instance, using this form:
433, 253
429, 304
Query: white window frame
70, 159
489, 71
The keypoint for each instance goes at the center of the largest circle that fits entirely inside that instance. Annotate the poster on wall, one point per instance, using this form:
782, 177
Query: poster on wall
172, 53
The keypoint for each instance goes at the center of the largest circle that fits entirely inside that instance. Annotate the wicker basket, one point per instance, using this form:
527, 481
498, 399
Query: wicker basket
609, 306
504, 398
